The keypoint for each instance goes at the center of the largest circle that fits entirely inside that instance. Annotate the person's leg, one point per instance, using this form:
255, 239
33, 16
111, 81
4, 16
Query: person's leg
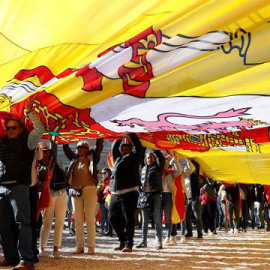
252, 215
261, 214
48, 215
8, 226
129, 205
189, 218
167, 207
231, 207
212, 214
237, 212
77, 203
117, 219
220, 213
224, 211
145, 222
19, 199
90, 202
244, 215
103, 211
157, 216
60, 213
196, 206
33, 198
174, 230
69, 213
204, 214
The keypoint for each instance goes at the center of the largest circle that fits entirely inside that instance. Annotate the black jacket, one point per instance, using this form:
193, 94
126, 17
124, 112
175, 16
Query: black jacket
232, 193
125, 173
155, 173
59, 180
16, 160
194, 181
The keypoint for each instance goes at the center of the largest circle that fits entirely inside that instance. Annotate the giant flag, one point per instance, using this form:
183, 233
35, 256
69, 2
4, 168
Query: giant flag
189, 76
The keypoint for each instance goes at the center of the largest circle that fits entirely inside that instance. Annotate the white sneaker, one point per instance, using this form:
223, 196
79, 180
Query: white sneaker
173, 240
231, 230
167, 242
237, 231
183, 239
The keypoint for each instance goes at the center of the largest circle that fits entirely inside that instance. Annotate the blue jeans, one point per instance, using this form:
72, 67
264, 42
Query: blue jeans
15, 228
166, 205
104, 216
195, 206
156, 208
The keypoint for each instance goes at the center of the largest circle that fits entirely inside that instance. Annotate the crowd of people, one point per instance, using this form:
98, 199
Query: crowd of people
34, 190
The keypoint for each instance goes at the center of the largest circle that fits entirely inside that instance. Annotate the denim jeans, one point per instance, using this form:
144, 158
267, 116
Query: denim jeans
15, 228
166, 205
104, 216
267, 211
70, 210
156, 209
195, 206
251, 214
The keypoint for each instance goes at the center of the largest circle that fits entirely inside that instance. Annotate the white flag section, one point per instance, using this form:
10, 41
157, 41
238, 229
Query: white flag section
193, 115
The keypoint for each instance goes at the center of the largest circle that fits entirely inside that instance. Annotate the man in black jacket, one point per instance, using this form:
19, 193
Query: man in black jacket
16, 156
124, 187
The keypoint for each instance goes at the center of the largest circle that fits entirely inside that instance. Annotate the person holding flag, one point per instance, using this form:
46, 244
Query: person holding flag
172, 169
17, 149
124, 186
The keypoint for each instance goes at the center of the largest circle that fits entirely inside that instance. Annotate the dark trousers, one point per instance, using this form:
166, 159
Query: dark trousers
33, 197
234, 208
166, 206
15, 227
122, 216
244, 214
194, 206
209, 216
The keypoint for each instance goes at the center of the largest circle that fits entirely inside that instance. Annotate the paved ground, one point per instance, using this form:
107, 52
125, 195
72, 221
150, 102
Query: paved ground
249, 250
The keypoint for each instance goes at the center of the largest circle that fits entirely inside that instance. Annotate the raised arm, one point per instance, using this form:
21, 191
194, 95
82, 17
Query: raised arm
178, 167
98, 149
115, 149
188, 170
53, 147
68, 152
161, 160
138, 146
36, 133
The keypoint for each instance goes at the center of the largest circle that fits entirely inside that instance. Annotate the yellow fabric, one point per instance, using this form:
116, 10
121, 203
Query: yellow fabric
69, 34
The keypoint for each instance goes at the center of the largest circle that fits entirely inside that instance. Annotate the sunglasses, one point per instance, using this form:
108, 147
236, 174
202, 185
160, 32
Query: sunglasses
82, 147
104, 173
12, 128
